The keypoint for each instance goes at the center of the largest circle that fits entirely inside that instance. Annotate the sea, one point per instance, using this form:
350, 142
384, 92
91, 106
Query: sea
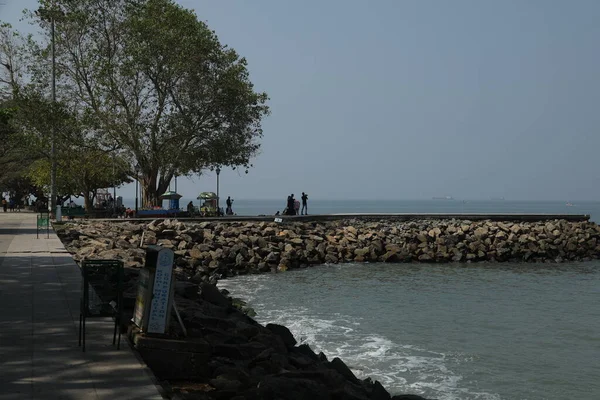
452, 331
443, 331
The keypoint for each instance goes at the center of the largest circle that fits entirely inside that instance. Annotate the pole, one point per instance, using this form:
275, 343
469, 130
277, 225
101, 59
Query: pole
136, 193
114, 190
53, 147
218, 208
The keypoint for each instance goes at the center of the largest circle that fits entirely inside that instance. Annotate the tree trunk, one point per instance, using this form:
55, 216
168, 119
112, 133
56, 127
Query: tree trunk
149, 192
163, 184
153, 188
88, 201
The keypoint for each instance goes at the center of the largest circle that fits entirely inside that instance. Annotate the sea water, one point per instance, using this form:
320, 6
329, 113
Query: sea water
451, 331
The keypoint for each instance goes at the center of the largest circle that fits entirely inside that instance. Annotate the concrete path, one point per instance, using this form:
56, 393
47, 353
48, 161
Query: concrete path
40, 358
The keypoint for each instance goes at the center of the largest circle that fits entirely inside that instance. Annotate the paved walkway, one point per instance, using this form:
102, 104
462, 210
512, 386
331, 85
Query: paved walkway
40, 286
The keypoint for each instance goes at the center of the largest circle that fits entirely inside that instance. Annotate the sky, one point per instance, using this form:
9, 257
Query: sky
410, 99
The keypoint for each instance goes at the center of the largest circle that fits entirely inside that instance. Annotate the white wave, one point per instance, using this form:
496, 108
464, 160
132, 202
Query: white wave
401, 368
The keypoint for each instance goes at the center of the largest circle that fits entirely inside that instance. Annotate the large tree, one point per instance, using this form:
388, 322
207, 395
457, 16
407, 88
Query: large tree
150, 79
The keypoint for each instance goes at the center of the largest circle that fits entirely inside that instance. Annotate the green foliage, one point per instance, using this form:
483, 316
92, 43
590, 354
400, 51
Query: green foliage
12, 148
81, 171
150, 79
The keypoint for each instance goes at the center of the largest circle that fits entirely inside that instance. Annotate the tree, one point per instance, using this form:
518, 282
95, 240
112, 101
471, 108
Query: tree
150, 79
11, 67
13, 148
81, 173
26, 118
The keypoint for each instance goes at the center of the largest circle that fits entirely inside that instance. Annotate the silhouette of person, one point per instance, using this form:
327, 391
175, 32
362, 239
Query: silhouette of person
229, 203
290, 205
304, 198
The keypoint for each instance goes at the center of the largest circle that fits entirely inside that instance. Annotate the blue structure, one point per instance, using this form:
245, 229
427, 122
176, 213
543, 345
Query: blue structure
173, 198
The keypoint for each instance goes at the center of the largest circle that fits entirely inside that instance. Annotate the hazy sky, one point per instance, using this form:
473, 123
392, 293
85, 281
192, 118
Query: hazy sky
395, 99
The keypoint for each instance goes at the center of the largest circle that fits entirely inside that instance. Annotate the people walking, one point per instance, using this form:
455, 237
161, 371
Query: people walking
4, 204
304, 198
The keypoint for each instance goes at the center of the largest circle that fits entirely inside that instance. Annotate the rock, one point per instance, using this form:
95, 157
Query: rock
390, 256
212, 294
274, 387
378, 392
481, 232
222, 383
339, 366
187, 290
435, 232
362, 252
272, 257
196, 253
284, 333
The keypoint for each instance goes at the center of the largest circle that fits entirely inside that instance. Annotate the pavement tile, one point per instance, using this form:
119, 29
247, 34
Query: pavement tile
40, 357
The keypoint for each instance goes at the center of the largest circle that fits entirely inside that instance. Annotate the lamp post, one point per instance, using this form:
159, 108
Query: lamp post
218, 171
50, 14
114, 188
137, 175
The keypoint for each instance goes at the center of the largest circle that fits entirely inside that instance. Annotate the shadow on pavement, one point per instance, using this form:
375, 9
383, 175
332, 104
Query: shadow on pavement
39, 352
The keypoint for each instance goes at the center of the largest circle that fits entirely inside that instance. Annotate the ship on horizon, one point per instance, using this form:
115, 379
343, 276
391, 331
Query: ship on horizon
443, 198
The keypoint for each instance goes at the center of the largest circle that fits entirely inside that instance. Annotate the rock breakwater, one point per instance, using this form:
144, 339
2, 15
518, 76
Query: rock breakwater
207, 251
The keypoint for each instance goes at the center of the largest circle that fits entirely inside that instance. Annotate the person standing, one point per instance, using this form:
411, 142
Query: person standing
290, 205
4, 204
297, 207
304, 204
229, 202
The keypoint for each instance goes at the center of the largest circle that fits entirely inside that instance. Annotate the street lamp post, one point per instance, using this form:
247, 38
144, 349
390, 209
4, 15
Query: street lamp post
50, 14
137, 176
53, 147
218, 171
114, 188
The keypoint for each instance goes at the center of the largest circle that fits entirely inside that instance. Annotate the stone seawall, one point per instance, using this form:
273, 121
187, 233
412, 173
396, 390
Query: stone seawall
212, 249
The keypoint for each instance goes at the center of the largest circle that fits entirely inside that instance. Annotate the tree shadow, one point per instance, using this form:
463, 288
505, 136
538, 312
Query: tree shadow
39, 324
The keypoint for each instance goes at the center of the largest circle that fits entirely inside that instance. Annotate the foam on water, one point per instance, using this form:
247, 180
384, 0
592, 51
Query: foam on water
400, 368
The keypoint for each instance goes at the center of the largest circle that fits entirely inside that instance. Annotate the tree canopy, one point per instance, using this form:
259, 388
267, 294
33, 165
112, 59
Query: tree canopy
149, 81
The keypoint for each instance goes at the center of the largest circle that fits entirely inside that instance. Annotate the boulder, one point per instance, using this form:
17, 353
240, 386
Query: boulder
212, 294
284, 333
276, 388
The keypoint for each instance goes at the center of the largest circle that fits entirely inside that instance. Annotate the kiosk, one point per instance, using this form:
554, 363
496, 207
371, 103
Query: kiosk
173, 198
